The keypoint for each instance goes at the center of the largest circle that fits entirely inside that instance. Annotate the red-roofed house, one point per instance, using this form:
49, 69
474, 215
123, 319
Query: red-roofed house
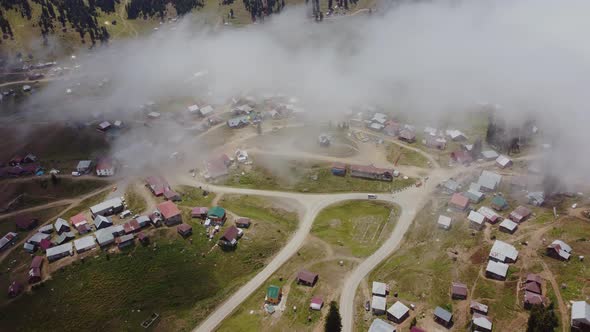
531, 299
184, 230
157, 184
172, 195
217, 167
78, 220
199, 212
371, 172
243, 223
45, 244
458, 291
229, 238
170, 213
316, 303
459, 202
307, 278
520, 214
35, 269
131, 226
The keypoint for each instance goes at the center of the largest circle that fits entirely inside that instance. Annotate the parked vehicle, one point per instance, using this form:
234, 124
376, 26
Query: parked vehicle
372, 196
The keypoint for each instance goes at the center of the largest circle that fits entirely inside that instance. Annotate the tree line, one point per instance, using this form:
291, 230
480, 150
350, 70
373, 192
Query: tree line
157, 8
56, 14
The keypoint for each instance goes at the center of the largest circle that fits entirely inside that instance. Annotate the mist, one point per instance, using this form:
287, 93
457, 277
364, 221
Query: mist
426, 59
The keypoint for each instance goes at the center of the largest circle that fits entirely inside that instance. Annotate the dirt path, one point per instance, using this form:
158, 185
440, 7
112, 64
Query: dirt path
123, 19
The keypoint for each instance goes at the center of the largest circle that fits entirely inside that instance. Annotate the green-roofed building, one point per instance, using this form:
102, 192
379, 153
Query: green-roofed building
499, 203
273, 294
217, 215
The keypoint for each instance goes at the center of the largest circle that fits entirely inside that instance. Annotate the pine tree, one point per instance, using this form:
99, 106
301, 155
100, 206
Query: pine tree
333, 319
542, 319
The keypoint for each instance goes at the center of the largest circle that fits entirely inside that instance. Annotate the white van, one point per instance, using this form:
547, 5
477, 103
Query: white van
372, 196
125, 214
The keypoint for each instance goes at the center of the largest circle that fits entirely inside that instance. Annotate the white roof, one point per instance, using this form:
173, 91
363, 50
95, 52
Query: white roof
508, 224
454, 133
444, 221
581, 312
476, 217
193, 108
57, 250
475, 186
206, 110
503, 160
37, 237
376, 125
84, 243
497, 268
99, 220
563, 245
4, 240
502, 250
380, 325
104, 236
114, 202
398, 310
154, 114
489, 180
488, 213
379, 303
379, 288
61, 222
489, 154
482, 321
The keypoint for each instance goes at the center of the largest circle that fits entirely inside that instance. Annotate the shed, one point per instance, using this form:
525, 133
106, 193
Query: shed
338, 169
502, 161
458, 291
316, 303
199, 212
84, 166
531, 299
444, 222
37, 238
482, 323
581, 315
478, 307
47, 229
489, 181
78, 220
443, 317
451, 186
230, 237
172, 195
508, 226
30, 248
143, 239
185, 230
243, 222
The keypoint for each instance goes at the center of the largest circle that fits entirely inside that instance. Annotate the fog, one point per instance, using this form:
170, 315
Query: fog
425, 59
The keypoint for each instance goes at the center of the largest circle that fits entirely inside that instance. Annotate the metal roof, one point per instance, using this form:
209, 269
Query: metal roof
379, 288
476, 217
581, 312
509, 224
84, 243
398, 310
84, 164
489, 180
497, 268
58, 250
502, 250
443, 314
444, 221
379, 303
111, 203
482, 321
380, 325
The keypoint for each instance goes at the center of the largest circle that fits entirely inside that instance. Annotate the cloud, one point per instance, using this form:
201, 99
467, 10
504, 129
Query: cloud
427, 59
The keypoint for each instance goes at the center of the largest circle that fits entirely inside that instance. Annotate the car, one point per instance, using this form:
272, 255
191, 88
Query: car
125, 214
372, 196
368, 306
76, 174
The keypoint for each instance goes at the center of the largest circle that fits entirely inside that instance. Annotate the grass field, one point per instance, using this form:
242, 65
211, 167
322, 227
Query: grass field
308, 177
42, 191
358, 227
406, 157
259, 209
167, 277
193, 197
134, 201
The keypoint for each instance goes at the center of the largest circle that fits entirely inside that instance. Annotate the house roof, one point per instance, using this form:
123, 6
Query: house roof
488, 213
497, 268
217, 167
521, 212
380, 325
80, 218
216, 212
473, 195
306, 276
370, 169
416, 329
476, 217
479, 307
562, 248
168, 209
502, 251
533, 298
317, 300
58, 250
499, 201
45, 243
64, 237
104, 164
60, 223
273, 292
106, 205
243, 221
509, 224
398, 310
84, 243
199, 210
125, 238
37, 237
231, 234
169, 194
458, 288
489, 154
407, 134
535, 278
379, 288
459, 200
444, 221
461, 156
183, 228
104, 236
482, 321
37, 262
99, 221
443, 314
581, 312
451, 185
206, 110
533, 287
234, 122
46, 229
6, 239
379, 303
157, 184
489, 180
84, 164
503, 161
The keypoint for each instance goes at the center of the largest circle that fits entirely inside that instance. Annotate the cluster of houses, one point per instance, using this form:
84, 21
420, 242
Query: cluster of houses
274, 293
19, 166
380, 122
104, 166
397, 313
214, 218
160, 188
369, 172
